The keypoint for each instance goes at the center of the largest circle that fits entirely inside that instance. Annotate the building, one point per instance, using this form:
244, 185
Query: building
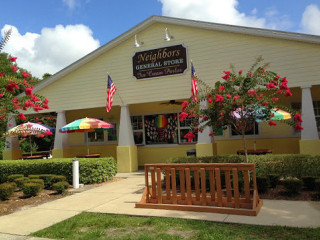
150, 66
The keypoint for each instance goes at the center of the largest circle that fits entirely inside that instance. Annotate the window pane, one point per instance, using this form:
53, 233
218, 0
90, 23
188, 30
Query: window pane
183, 132
136, 122
219, 132
248, 132
112, 133
318, 123
97, 136
138, 137
187, 122
161, 129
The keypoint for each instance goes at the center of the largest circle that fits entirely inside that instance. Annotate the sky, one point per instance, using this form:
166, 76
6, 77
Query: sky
48, 35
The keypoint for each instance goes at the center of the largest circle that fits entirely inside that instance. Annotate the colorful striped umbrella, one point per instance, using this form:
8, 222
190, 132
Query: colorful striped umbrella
28, 129
85, 125
278, 114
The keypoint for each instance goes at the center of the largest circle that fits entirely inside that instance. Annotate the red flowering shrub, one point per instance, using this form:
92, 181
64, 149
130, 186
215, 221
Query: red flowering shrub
16, 89
240, 100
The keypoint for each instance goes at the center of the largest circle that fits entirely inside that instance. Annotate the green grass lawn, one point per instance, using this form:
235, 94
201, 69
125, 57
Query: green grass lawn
106, 226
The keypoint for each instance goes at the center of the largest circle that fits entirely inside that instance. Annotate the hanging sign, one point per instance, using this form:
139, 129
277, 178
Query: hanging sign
160, 62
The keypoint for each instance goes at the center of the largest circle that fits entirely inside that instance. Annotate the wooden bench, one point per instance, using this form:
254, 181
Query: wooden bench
35, 156
255, 152
201, 187
93, 155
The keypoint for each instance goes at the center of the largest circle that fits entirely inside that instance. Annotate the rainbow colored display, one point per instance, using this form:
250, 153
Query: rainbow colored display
161, 121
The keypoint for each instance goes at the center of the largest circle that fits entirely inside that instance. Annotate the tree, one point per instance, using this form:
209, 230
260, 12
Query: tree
46, 75
15, 81
239, 101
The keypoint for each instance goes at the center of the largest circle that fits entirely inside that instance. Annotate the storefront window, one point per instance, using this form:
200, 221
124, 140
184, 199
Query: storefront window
185, 128
99, 135
161, 129
248, 132
112, 133
137, 128
96, 136
316, 107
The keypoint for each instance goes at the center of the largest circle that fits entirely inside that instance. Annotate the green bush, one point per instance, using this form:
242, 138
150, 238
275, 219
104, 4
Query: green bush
14, 185
262, 184
47, 178
58, 178
273, 180
38, 181
31, 189
91, 170
21, 181
12, 178
285, 165
308, 182
6, 191
292, 185
60, 187
33, 176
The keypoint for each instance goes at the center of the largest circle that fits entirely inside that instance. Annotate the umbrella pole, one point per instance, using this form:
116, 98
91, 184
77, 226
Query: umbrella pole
88, 152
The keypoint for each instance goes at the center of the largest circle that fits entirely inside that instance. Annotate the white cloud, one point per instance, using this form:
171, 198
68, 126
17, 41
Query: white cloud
52, 50
70, 3
212, 11
311, 20
274, 20
225, 12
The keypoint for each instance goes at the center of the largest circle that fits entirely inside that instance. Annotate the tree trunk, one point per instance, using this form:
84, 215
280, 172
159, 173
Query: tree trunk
245, 145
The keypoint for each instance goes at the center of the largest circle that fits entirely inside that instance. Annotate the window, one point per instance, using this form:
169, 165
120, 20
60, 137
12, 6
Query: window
137, 128
96, 136
112, 133
248, 132
161, 128
316, 107
185, 128
101, 135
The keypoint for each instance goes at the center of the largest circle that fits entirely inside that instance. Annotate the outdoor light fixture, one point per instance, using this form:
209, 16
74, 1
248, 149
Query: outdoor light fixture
136, 42
167, 37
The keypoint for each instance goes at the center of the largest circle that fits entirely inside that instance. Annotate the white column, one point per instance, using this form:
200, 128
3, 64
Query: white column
310, 131
125, 133
204, 137
12, 143
61, 139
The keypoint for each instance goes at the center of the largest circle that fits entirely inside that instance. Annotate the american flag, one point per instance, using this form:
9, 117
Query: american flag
111, 89
194, 83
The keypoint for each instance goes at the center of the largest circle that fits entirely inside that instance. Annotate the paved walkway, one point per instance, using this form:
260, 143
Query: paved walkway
120, 198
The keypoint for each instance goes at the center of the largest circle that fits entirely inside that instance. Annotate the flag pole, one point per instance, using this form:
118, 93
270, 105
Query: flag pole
117, 91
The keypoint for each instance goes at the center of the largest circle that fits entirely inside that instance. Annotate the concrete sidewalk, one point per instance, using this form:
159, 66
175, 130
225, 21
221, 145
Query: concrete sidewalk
120, 198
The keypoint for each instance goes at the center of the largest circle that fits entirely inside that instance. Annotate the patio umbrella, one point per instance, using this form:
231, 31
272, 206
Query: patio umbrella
28, 129
277, 114
85, 125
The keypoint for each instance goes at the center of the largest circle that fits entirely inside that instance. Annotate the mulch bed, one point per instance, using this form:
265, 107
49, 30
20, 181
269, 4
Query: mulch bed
279, 193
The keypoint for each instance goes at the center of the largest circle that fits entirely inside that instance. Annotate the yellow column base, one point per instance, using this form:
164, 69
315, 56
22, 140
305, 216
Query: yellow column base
206, 149
127, 159
311, 147
12, 154
60, 153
